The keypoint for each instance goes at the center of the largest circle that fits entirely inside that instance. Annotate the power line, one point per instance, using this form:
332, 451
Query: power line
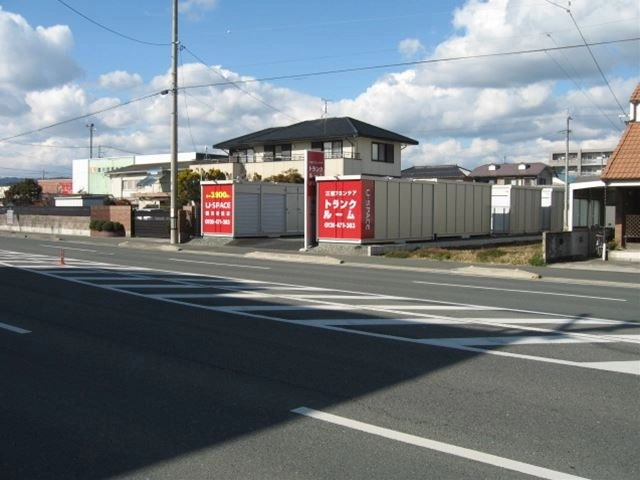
111, 30
587, 96
313, 74
586, 44
81, 117
406, 64
235, 84
596, 62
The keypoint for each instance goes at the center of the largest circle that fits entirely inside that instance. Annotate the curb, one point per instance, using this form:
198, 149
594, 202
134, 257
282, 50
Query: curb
497, 272
292, 257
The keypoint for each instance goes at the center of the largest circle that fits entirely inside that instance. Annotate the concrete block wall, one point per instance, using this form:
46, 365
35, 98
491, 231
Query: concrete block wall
46, 224
565, 246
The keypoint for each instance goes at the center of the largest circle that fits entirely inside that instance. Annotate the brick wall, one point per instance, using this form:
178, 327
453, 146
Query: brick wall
115, 213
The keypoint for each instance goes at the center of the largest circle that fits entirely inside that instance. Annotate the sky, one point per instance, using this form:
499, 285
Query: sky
475, 82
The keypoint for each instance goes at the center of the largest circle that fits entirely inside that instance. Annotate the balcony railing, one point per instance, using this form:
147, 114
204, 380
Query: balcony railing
295, 157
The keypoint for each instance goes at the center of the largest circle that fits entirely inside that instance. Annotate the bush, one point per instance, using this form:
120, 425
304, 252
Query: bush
537, 260
106, 226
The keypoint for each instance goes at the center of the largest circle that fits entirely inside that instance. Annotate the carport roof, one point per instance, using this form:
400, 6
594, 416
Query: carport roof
319, 129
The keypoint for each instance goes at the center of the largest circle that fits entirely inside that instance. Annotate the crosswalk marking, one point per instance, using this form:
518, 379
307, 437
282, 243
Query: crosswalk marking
414, 320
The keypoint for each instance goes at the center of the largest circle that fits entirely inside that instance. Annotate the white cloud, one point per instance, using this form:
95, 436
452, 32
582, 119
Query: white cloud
466, 112
120, 80
56, 104
34, 58
410, 47
192, 7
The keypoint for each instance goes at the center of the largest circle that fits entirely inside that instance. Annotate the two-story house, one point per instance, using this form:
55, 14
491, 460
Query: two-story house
535, 173
350, 146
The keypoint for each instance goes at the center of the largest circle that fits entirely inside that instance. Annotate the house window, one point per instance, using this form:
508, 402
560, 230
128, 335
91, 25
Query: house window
244, 156
382, 152
129, 184
277, 153
331, 149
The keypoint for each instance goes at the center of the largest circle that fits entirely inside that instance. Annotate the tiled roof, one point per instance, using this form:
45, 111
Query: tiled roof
635, 96
509, 170
435, 171
320, 129
624, 163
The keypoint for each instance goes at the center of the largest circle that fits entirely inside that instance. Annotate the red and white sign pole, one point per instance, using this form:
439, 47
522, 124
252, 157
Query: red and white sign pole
313, 167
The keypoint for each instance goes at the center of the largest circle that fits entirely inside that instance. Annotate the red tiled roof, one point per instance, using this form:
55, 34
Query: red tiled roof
635, 96
624, 163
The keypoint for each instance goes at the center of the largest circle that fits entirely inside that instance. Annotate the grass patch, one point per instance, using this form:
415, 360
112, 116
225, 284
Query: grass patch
530, 254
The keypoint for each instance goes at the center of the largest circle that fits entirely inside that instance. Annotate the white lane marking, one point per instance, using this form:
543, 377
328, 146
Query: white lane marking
219, 264
532, 292
75, 249
618, 367
455, 307
326, 296
514, 340
14, 329
630, 366
249, 295
447, 448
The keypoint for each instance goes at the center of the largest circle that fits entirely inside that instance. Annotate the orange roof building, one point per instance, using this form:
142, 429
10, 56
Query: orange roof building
624, 163
622, 176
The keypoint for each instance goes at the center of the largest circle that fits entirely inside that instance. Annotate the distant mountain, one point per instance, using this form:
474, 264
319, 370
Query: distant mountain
8, 181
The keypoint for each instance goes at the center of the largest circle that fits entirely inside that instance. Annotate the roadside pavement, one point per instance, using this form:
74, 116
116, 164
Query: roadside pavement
291, 249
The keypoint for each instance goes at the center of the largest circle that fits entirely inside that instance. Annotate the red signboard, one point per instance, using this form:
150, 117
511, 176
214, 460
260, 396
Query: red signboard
346, 209
315, 168
217, 209
60, 186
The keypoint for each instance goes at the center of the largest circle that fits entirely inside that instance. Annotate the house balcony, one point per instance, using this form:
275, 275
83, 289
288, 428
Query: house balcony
286, 157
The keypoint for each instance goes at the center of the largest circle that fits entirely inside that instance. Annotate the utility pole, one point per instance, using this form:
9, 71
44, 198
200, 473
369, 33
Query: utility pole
91, 126
566, 177
173, 219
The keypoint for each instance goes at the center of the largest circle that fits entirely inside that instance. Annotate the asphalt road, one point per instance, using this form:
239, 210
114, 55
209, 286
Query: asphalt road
157, 363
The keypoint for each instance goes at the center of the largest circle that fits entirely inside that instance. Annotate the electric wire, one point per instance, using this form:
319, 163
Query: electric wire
235, 84
186, 109
586, 44
406, 64
111, 30
578, 86
81, 117
312, 74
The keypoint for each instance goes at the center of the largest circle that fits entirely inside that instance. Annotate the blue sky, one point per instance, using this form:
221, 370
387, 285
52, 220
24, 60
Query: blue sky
59, 66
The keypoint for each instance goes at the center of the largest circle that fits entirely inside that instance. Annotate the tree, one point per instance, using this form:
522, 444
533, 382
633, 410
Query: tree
288, 176
189, 184
26, 192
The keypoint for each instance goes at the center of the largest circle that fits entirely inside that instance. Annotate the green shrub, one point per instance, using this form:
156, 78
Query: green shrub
96, 225
537, 260
106, 226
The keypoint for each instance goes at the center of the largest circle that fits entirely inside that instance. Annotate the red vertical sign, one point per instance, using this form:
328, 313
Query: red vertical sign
217, 209
346, 209
314, 167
